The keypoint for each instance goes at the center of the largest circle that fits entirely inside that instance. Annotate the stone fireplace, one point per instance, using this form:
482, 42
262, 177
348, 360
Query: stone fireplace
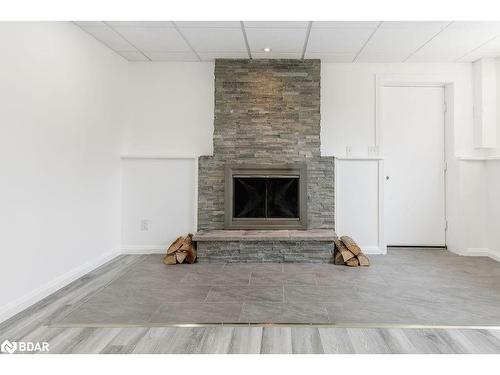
266, 194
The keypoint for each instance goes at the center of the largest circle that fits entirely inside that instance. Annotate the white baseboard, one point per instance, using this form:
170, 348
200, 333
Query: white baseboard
47, 289
144, 249
479, 252
372, 250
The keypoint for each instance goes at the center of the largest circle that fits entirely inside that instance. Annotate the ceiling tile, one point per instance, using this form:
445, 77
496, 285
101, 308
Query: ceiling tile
140, 23
133, 55
345, 24
154, 39
89, 23
493, 45
276, 24
110, 38
172, 56
276, 55
215, 39
394, 43
338, 40
204, 24
413, 24
390, 57
279, 40
455, 41
473, 56
208, 56
331, 57
467, 25
490, 49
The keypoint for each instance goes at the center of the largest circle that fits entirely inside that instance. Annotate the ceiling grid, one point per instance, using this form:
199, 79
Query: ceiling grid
330, 41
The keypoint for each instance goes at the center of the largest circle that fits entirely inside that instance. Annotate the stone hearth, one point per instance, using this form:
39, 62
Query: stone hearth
239, 246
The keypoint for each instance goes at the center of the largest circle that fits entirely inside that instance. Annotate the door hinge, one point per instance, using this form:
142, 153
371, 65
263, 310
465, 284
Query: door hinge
446, 225
445, 166
445, 107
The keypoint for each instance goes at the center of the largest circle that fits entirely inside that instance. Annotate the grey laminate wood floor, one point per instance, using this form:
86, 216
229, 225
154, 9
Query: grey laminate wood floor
40, 322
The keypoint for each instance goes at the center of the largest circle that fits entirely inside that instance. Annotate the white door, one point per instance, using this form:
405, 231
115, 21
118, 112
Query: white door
413, 145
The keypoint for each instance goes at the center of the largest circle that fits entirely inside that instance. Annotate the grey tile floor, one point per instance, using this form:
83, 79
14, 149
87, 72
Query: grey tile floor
408, 287
37, 323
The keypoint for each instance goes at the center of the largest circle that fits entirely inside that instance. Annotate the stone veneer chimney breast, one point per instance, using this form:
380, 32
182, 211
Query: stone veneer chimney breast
267, 112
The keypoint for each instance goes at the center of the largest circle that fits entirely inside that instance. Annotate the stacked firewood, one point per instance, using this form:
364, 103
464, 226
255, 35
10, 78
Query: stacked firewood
182, 250
348, 253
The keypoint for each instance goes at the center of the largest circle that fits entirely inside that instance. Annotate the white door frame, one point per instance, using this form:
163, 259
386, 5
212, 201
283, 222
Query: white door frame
382, 81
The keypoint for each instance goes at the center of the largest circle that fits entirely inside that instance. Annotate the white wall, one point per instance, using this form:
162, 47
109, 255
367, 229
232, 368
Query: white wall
162, 192
348, 105
491, 181
474, 205
170, 113
358, 202
480, 182
484, 99
492, 184
349, 119
170, 109
61, 98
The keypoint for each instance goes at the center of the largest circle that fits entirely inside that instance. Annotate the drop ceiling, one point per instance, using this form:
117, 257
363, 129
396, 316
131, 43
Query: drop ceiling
335, 41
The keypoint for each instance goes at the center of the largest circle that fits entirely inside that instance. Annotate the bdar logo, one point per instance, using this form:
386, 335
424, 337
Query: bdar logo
24, 346
8, 347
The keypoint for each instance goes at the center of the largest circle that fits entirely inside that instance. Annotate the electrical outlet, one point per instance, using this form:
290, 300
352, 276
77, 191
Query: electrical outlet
144, 225
372, 150
348, 150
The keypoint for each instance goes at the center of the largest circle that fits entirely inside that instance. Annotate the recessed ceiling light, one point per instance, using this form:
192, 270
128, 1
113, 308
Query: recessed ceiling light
266, 49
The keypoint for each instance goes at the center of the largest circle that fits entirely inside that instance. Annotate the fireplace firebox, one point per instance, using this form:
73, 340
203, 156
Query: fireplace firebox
265, 197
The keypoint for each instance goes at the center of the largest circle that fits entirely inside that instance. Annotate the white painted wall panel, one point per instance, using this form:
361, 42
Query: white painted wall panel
473, 201
163, 192
493, 206
485, 101
357, 199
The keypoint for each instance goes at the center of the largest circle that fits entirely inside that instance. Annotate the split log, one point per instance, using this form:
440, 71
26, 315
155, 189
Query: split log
181, 250
337, 254
180, 256
169, 259
351, 245
175, 245
186, 244
344, 252
363, 260
353, 262
337, 258
190, 255
347, 255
